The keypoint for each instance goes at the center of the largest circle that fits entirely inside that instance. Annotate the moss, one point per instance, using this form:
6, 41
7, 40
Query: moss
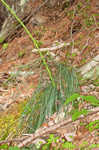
7, 126
9, 120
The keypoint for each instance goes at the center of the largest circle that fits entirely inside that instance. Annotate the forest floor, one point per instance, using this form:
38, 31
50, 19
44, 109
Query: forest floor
77, 25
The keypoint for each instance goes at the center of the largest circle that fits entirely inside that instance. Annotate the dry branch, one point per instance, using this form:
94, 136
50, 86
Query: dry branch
53, 48
31, 137
51, 129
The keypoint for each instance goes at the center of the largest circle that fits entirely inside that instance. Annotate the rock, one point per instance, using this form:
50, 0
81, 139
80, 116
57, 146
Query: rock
38, 20
91, 69
85, 89
51, 3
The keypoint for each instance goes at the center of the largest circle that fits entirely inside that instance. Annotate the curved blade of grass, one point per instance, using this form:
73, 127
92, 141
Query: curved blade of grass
46, 101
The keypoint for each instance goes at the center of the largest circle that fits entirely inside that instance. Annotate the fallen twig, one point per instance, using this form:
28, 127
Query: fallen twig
44, 131
51, 129
58, 45
13, 140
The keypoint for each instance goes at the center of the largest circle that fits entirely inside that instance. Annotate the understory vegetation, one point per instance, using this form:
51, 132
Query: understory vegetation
57, 100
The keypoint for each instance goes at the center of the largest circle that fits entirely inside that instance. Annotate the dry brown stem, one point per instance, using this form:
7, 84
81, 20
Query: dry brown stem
31, 137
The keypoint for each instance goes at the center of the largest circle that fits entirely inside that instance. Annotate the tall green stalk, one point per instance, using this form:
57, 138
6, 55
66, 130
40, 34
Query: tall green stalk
31, 37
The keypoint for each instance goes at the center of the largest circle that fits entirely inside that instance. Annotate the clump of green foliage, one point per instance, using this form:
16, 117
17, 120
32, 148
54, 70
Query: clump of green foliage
7, 126
48, 99
9, 121
21, 54
55, 143
5, 46
73, 99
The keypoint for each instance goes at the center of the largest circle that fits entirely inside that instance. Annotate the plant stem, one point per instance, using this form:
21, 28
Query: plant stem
31, 37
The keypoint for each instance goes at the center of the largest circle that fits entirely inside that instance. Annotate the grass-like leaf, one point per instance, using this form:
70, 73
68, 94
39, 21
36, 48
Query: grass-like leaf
45, 101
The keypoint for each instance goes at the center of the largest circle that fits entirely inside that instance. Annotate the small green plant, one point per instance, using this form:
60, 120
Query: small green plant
87, 1
68, 145
21, 53
52, 140
96, 14
40, 43
70, 14
38, 33
13, 148
43, 103
75, 112
56, 143
4, 147
83, 61
89, 21
93, 125
96, 82
83, 145
79, 5
73, 54
5, 46
92, 99
2, 39
7, 126
93, 146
